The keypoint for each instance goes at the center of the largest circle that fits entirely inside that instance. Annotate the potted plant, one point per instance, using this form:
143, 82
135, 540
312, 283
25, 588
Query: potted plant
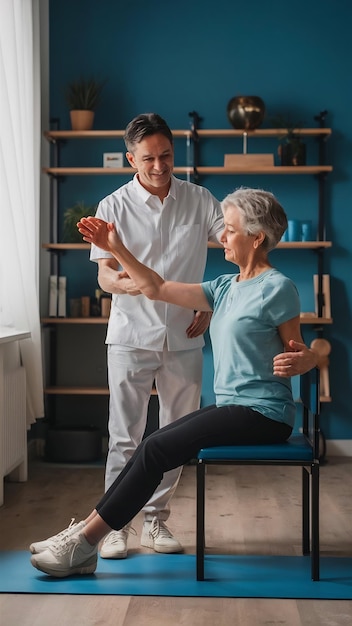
73, 215
292, 150
83, 97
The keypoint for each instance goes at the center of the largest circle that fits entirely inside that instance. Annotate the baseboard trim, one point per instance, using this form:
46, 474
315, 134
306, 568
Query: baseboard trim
339, 447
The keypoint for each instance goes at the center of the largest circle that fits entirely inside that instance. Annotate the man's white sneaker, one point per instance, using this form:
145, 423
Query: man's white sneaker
73, 528
156, 535
72, 555
114, 545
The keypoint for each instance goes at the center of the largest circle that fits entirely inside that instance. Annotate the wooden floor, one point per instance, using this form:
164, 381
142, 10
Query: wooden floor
251, 511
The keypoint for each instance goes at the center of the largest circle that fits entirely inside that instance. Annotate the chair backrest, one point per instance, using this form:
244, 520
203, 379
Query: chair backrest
310, 398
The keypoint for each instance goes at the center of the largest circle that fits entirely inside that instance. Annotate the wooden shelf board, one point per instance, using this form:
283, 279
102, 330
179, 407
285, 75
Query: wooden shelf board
289, 244
276, 169
82, 391
202, 170
91, 171
104, 391
262, 132
86, 246
304, 244
66, 246
57, 135
74, 320
312, 319
85, 171
305, 319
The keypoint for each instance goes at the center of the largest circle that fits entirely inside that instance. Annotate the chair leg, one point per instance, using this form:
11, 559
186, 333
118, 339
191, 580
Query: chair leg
200, 533
305, 511
315, 557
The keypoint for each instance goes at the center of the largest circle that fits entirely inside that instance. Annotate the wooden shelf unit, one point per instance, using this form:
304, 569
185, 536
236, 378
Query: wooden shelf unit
320, 170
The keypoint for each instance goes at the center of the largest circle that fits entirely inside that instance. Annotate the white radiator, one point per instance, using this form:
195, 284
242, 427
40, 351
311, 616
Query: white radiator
13, 429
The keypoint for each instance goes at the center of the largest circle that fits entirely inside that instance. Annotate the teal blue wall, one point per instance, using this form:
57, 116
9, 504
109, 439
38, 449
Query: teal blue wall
175, 57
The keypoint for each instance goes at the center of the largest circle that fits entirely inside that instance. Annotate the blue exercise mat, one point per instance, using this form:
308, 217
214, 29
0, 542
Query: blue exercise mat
174, 575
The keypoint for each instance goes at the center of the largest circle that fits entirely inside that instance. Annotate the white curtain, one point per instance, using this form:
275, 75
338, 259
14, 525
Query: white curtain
19, 185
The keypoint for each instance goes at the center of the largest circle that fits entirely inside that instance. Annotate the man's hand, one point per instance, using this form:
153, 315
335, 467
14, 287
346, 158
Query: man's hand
199, 325
297, 361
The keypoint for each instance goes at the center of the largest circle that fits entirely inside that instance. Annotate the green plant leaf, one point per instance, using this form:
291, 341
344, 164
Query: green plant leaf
285, 123
84, 94
72, 215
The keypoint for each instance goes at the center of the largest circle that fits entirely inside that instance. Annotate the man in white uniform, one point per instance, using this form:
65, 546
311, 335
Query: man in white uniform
166, 223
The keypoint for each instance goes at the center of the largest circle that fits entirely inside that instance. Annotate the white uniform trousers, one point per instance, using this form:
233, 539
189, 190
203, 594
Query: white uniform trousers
131, 373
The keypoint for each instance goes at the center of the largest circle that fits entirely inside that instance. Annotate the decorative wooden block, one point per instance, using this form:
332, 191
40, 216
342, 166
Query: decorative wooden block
248, 161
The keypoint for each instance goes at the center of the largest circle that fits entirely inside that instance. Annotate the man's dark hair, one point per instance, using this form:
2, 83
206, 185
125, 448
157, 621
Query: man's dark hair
143, 126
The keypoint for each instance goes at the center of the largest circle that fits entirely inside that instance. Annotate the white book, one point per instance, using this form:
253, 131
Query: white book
62, 297
53, 296
326, 311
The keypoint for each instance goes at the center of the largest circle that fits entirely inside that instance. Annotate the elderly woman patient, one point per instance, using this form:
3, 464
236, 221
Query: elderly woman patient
257, 347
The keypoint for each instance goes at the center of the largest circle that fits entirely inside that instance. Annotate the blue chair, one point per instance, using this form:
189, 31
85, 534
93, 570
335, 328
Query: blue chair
301, 449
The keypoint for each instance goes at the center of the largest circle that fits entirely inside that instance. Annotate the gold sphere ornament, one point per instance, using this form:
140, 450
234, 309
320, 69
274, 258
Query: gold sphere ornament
246, 112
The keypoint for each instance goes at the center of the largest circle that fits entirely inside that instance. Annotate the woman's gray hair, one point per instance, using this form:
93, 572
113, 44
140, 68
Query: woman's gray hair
259, 211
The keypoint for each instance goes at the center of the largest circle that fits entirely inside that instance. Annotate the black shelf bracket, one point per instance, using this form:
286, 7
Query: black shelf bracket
196, 119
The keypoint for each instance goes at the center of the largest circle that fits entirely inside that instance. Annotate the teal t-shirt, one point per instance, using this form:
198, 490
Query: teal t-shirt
245, 338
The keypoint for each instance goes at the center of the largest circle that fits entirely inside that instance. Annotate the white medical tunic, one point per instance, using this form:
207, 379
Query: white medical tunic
170, 237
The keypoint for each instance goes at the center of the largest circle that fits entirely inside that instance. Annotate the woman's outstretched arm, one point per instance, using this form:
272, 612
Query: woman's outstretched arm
104, 235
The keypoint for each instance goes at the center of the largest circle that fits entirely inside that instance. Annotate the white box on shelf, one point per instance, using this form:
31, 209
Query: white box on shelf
53, 296
113, 159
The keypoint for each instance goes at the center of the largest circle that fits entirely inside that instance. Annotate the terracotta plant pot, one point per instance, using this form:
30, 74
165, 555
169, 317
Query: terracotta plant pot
82, 120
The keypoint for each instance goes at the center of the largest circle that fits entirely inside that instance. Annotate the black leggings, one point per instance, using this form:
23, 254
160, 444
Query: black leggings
176, 444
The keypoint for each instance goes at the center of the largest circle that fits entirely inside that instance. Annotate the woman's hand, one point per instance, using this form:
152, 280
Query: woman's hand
102, 234
127, 285
297, 361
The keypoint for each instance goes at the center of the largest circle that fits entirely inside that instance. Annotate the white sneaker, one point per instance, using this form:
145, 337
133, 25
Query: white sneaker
71, 555
114, 545
40, 546
156, 535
